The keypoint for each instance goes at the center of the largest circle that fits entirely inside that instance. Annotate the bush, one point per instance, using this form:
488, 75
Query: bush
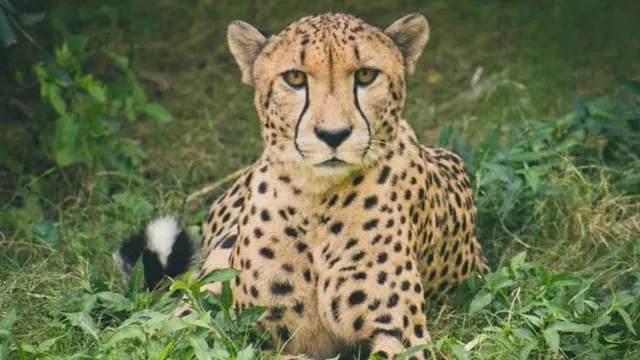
84, 112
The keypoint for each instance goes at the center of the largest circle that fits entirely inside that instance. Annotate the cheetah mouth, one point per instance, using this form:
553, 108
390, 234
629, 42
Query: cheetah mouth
334, 162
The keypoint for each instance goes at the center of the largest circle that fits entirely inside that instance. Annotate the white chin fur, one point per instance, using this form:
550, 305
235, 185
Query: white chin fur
161, 234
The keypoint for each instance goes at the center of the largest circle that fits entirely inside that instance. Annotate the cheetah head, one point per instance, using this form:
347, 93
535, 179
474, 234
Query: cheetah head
329, 89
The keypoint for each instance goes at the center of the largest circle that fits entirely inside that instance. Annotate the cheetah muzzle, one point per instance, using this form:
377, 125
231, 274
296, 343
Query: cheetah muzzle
346, 222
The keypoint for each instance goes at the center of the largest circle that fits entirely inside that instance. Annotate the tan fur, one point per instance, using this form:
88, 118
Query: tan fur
341, 255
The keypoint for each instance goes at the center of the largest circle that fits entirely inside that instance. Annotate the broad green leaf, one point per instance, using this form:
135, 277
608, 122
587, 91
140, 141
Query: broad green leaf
460, 352
247, 353
47, 344
55, 98
77, 43
158, 112
97, 92
84, 322
65, 148
570, 327
61, 74
518, 260
136, 279
178, 285
524, 333
553, 339
219, 275
7, 321
45, 232
445, 135
252, 314
199, 346
526, 350
226, 299
137, 91
133, 202
533, 319
603, 320
29, 19
502, 172
7, 36
127, 333
479, 302
627, 320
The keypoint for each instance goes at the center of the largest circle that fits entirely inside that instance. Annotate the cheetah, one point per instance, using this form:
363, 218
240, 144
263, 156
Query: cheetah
346, 223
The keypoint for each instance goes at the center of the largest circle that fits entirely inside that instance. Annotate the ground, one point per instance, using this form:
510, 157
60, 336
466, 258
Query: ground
534, 56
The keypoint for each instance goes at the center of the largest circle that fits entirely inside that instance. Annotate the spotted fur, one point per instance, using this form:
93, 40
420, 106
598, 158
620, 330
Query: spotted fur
341, 237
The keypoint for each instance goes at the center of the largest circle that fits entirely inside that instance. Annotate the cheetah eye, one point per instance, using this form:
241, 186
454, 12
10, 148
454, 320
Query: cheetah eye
295, 78
366, 76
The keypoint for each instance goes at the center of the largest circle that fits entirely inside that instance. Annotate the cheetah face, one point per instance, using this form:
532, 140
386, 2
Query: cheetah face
329, 89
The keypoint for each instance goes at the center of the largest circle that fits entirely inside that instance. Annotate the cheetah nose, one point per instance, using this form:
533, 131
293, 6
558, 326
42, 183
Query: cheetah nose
333, 138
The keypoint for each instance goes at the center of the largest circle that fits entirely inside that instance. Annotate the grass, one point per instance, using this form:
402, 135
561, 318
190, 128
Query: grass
574, 295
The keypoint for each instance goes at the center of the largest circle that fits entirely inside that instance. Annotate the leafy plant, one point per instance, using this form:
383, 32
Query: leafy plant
87, 111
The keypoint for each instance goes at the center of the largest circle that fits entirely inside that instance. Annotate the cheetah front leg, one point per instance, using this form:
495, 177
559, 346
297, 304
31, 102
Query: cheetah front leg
384, 307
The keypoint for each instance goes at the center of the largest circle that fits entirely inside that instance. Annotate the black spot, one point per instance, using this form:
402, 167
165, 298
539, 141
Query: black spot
383, 319
288, 268
298, 307
382, 277
264, 215
417, 329
238, 203
349, 199
275, 313
374, 305
357, 297
336, 228
257, 232
332, 201
283, 333
267, 253
395, 332
254, 292
351, 243
371, 224
335, 308
405, 285
358, 256
398, 270
262, 188
228, 242
382, 258
281, 287
359, 276
307, 275
417, 288
444, 271
357, 180
300, 246
393, 301
291, 232
370, 202
384, 174
358, 323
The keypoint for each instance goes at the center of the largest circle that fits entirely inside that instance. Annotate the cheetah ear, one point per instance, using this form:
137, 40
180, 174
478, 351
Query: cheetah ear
410, 34
245, 43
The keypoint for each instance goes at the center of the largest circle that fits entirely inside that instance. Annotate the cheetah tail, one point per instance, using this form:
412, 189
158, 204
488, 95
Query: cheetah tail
165, 248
